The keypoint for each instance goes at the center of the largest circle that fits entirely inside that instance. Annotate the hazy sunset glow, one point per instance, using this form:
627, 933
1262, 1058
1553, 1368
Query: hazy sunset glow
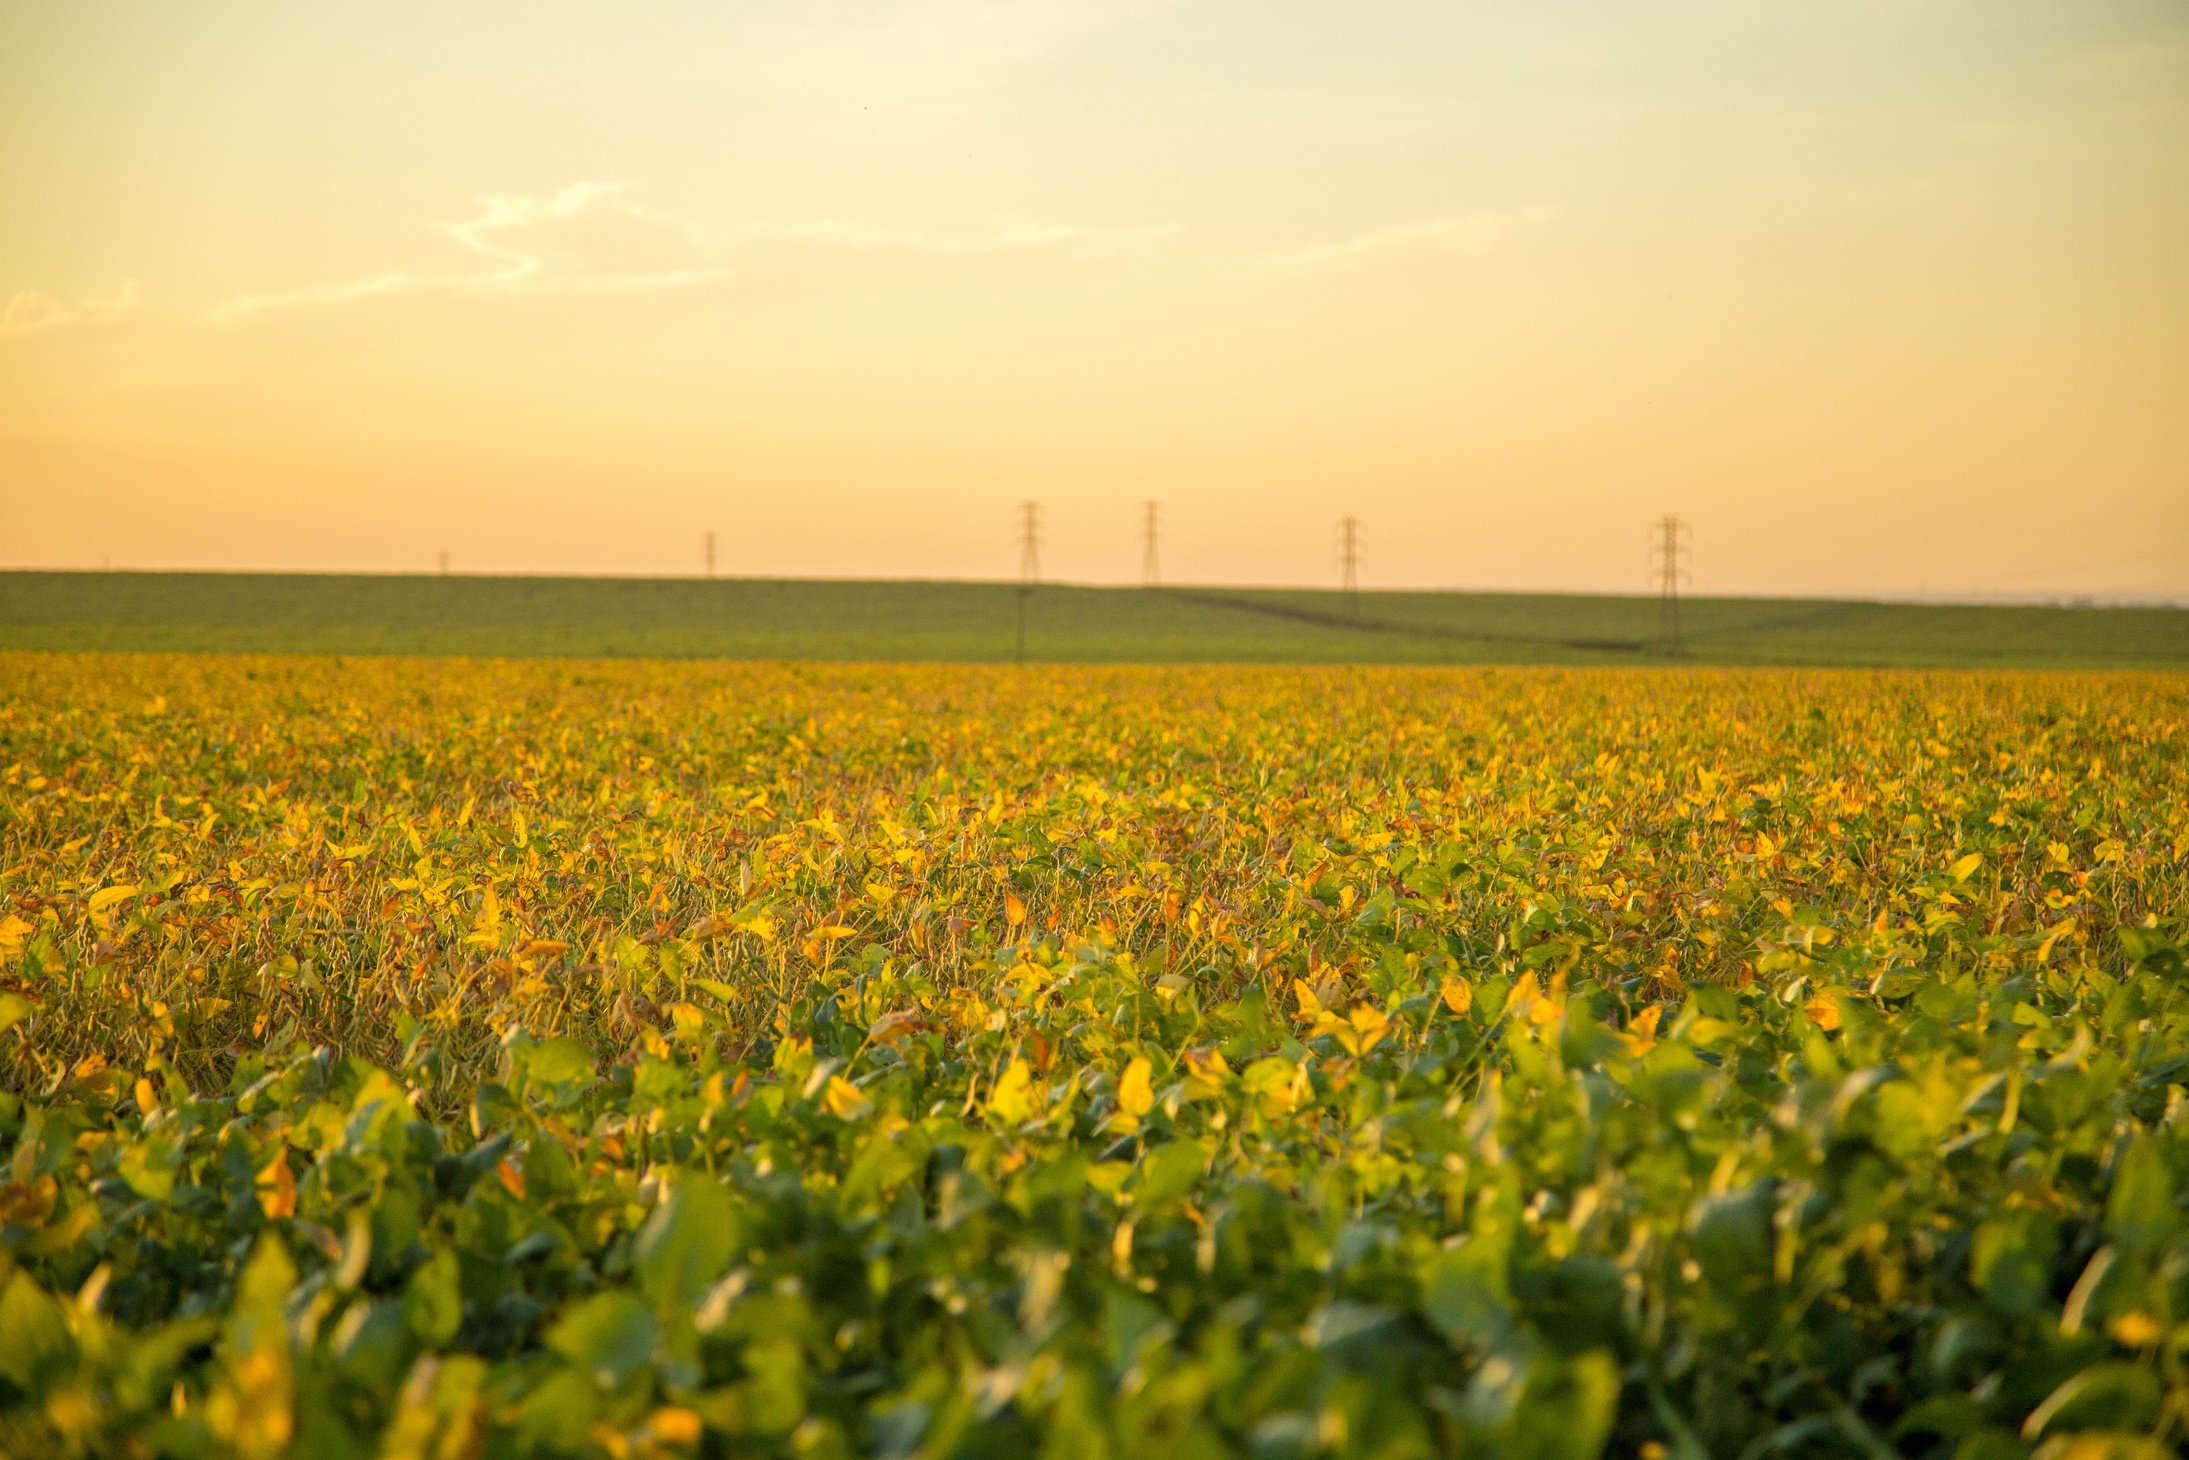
1883, 295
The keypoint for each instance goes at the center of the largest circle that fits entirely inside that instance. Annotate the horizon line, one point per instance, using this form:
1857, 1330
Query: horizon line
1969, 597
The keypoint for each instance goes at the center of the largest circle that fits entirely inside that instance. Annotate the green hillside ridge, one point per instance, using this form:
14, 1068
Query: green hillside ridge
758, 618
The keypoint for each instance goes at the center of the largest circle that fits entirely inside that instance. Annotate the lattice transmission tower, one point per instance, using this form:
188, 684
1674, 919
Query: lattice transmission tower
1349, 562
1029, 565
1669, 557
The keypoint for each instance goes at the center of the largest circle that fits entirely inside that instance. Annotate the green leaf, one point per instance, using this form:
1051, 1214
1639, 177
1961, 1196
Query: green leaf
145, 1374
372, 1343
687, 1242
2140, 1212
609, 1336
2105, 1396
1566, 1409
1465, 1293
2012, 1262
559, 1067
14, 1009
554, 1417
1127, 1321
255, 1322
1168, 1173
34, 1339
149, 1168
1584, 1040
1733, 1235
433, 1299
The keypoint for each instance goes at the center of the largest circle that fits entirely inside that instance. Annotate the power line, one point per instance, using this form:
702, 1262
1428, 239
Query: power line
1151, 572
1669, 552
1349, 554
1029, 564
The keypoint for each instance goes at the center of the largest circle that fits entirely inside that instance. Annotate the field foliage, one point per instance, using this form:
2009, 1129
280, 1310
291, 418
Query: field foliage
441, 1058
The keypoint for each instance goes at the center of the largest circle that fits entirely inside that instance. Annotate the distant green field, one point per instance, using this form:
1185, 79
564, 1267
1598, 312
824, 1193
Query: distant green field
817, 619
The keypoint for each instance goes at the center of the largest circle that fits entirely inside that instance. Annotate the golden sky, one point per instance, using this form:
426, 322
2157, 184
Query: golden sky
1882, 295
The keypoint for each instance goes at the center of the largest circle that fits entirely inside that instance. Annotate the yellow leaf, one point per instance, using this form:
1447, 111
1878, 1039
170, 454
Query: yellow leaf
1458, 995
1640, 1035
897, 1026
1014, 909
1523, 995
1134, 1095
2136, 1330
13, 930
674, 1425
689, 1021
845, 1100
1012, 1100
1208, 1065
106, 897
277, 1187
1310, 1006
1824, 1009
490, 911
1369, 1025
1277, 1083
1967, 865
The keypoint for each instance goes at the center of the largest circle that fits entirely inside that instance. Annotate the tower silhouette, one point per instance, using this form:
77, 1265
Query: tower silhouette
1349, 556
1029, 566
1669, 554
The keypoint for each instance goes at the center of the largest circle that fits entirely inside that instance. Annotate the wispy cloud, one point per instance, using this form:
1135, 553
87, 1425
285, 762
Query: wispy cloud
590, 238
1474, 233
554, 244
1003, 235
523, 244
562, 242
33, 311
